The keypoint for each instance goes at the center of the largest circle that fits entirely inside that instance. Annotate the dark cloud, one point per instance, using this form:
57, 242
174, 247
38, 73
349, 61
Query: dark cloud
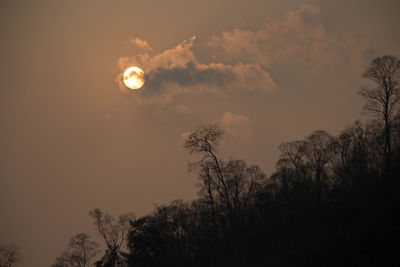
188, 76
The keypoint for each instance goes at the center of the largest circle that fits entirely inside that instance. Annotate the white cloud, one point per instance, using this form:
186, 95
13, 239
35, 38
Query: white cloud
297, 41
238, 126
298, 37
178, 71
141, 44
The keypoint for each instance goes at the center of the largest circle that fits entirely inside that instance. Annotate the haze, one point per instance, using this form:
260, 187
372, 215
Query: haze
72, 139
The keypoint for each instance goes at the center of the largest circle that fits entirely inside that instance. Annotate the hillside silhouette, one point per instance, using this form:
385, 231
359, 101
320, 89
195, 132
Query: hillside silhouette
331, 201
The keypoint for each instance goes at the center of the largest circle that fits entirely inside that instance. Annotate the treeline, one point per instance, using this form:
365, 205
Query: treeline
10, 254
332, 200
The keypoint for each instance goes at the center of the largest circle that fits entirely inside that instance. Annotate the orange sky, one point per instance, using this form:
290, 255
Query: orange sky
72, 140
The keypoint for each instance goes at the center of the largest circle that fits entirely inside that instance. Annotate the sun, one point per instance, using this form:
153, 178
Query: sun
134, 78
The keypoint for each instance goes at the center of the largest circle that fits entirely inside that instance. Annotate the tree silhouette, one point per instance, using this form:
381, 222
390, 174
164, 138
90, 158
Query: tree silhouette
114, 234
320, 150
204, 141
383, 99
325, 204
229, 187
79, 253
293, 156
9, 255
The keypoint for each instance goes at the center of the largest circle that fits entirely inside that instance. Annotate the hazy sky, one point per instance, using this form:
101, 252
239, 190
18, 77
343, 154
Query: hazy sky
73, 139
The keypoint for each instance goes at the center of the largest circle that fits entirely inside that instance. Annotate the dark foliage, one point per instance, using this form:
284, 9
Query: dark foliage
329, 203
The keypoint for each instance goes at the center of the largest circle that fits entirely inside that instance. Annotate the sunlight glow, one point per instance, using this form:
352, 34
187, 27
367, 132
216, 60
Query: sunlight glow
134, 78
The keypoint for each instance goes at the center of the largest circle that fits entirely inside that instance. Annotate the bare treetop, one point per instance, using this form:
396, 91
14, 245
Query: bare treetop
9, 255
204, 139
81, 250
383, 100
384, 71
114, 232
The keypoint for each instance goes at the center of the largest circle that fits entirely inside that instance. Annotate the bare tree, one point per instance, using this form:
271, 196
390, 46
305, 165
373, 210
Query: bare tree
204, 141
291, 168
232, 184
383, 99
207, 190
243, 183
114, 232
230, 187
79, 253
320, 149
357, 155
293, 156
9, 255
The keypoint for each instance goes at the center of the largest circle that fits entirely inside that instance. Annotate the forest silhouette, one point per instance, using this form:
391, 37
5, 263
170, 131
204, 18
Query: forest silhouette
331, 201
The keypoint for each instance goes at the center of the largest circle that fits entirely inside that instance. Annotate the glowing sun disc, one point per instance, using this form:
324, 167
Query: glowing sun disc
134, 78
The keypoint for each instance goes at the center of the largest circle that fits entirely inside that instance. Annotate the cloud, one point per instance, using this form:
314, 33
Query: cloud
298, 37
238, 126
141, 44
178, 71
295, 44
